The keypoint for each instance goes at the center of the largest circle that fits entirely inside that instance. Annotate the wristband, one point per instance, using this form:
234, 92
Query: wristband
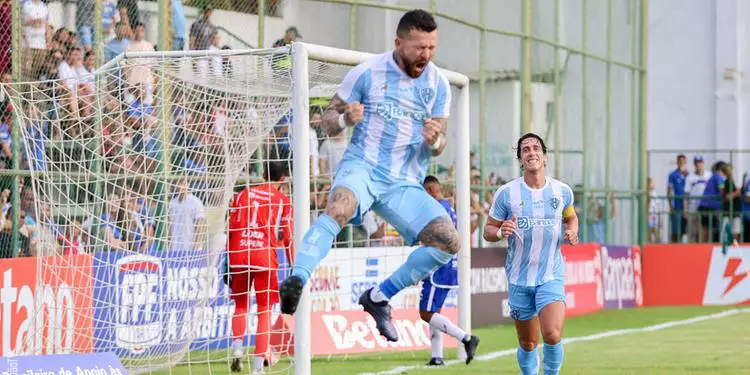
342, 121
500, 233
435, 146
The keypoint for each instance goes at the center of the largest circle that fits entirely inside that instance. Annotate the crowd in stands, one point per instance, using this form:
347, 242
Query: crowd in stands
703, 205
61, 63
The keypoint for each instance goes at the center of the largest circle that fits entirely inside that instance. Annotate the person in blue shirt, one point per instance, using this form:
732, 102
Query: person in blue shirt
676, 196
712, 202
435, 289
746, 208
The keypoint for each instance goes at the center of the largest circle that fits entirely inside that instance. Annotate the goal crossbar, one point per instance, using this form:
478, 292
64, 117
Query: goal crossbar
302, 53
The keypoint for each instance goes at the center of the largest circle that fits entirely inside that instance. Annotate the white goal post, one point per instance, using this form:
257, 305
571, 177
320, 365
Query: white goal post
302, 54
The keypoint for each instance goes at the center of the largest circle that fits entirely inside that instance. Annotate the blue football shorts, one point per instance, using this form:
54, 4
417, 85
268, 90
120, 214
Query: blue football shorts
527, 301
405, 205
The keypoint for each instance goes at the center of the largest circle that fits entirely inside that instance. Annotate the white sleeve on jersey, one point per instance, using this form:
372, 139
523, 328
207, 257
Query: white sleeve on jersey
352, 88
442, 106
499, 210
568, 199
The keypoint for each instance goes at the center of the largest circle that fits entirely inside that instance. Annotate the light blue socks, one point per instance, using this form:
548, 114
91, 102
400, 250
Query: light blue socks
553, 358
420, 263
315, 246
528, 361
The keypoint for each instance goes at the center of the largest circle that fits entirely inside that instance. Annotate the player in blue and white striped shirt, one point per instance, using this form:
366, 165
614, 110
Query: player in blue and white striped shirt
535, 213
398, 103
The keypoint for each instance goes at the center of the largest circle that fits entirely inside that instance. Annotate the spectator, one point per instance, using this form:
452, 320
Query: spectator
711, 204
676, 196
120, 42
211, 66
35, 18
654, 212
746, 208
5, 106
178, 26
85, 18
732, 202
202, 30
331, 152
70, 71
291, 35
695, 184
6, 18
138, 73
188, 217
129, 12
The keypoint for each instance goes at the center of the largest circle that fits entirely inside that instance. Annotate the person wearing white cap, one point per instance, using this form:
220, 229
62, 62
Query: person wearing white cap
694, 186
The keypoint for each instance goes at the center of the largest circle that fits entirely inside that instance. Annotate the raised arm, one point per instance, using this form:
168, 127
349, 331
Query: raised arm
434, 133
340, 114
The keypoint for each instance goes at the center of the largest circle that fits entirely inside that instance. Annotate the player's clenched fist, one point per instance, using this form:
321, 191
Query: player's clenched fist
508, 227
571, 236
431, 131
354, 113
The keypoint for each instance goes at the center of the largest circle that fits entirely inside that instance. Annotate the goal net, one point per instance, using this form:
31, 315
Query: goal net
133, 170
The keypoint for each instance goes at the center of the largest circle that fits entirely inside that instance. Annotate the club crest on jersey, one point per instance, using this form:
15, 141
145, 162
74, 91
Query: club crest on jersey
427, 94
554, 202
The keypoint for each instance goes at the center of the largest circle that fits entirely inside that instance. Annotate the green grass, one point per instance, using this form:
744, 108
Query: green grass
718, 346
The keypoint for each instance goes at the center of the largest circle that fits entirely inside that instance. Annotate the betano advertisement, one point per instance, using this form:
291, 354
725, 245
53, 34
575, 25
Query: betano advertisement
696, 275
64, 324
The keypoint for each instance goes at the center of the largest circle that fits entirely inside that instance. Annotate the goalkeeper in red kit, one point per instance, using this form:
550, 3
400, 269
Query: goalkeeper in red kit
260, 222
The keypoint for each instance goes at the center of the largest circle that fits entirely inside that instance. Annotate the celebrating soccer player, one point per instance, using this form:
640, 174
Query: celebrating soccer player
435, 289
257, 215
535, 213
398, 103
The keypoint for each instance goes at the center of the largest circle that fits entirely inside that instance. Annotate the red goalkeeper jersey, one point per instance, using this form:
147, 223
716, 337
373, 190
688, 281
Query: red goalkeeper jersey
260, 221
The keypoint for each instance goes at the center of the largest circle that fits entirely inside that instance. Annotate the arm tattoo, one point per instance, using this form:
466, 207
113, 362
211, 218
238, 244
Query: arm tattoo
443, 140
440, 233
330, 120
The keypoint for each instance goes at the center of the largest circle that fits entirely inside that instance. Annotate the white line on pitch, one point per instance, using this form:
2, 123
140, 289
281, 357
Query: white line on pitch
596, 336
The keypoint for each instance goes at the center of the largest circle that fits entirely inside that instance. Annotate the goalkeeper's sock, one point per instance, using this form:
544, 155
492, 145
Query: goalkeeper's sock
315, 246
553, 358
237, 348
528, 361
239, 325
263, 333
420, 263
443, 324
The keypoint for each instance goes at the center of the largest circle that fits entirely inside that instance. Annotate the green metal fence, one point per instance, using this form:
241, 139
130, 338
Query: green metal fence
590, 55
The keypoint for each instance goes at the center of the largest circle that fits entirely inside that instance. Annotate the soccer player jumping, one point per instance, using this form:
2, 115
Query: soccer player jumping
535, 213
257, 216
398, 103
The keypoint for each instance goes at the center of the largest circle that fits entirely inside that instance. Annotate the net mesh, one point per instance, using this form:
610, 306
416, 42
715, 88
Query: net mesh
133, 168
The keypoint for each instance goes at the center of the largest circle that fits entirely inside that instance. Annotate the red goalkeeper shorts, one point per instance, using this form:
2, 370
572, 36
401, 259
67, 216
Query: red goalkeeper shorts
266, 285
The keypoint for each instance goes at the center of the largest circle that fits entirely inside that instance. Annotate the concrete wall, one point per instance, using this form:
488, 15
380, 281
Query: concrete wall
697, 85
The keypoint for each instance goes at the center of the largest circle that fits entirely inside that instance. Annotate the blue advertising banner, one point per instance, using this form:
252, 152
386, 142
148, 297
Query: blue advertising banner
158, 303
63, 364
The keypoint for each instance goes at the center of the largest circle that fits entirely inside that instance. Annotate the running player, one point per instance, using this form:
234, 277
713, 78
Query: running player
535, 213
435, 289
398, 103
257, 215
